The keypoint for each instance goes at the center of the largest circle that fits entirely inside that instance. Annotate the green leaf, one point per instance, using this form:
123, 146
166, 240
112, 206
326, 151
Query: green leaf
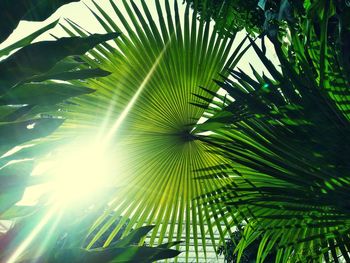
14, 112
40, 57
14, 178
134, 237
27, 40
16, 212
42, 93
16, 133
72, 75
170, 244
116, 255
280, 144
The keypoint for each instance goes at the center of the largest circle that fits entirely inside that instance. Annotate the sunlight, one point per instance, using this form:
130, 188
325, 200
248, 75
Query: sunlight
81, 173
24, 245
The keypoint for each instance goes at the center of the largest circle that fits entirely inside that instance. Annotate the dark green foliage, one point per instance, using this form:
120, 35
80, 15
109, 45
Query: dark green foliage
67, 232
42, 93
40, 57
16, 133
100, 242
286, 140
113, 255
256, 17
27, 92
31, 10
122, 249
250, 253
72, 74
14, 179
232, 16
27, 40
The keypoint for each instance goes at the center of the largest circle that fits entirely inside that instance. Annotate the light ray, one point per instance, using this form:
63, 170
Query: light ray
24, 245
133, 100
48, 235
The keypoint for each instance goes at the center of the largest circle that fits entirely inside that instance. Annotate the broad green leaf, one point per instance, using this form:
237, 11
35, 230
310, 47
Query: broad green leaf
14, 112
14, 178
40, 57
42, 93
16, 133
170, 244
16, 212
116, 255
27, 40
134, 237
72, 75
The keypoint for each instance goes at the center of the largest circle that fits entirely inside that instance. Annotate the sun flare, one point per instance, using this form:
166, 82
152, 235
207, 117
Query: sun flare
81, 173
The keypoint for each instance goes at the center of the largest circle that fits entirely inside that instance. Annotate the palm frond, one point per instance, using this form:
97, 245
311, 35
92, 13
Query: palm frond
287, 140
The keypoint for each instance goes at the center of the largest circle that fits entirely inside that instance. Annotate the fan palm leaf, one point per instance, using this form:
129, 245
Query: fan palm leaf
143, 111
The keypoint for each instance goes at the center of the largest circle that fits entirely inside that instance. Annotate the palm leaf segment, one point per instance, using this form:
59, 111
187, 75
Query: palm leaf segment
155, 71
287, 139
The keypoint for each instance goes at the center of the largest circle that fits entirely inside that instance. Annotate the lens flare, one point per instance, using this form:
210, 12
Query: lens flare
81, 173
